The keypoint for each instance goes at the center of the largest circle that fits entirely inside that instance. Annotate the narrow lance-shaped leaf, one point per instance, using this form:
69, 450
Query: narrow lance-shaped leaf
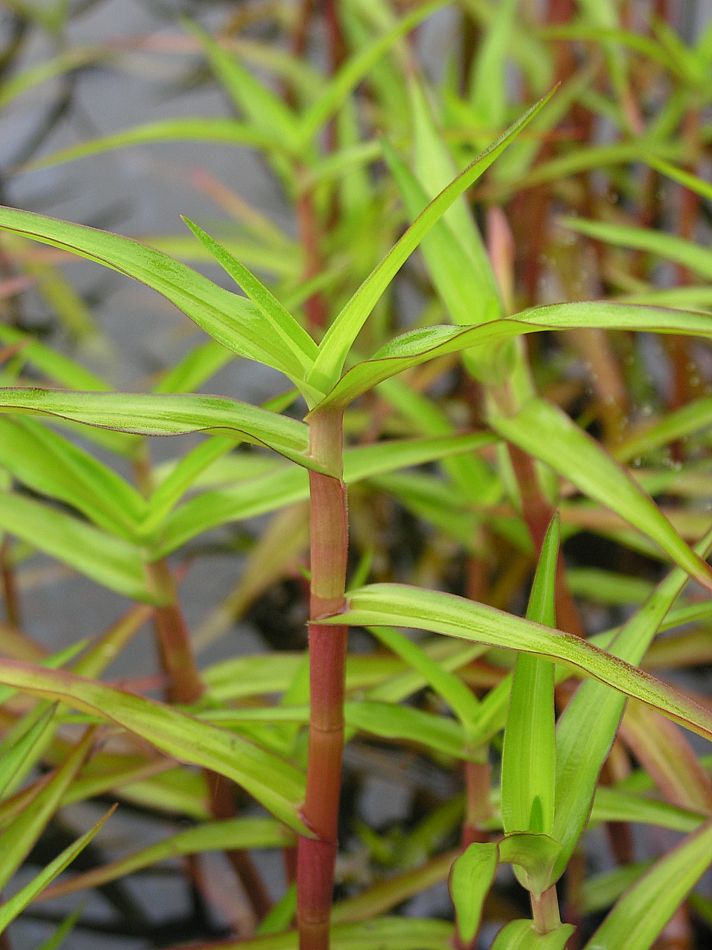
19, 901
667, 246
395, 933
266, 111
232, 320
21, 750
108, 560
548, 434
160, 414
652, 900
588, 725
418, 346
185, 129
275, 784
282, 486
235, 833
448, 685
343, 331
355, 69
54, 466
520, 935
20, 837
291, 333
470, 879
529, 752
403, 606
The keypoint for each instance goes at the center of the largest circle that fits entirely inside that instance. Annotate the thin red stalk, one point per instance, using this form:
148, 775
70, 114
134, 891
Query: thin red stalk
9, 585
477, 801
327, 657
173, 640
307, 224
184, 685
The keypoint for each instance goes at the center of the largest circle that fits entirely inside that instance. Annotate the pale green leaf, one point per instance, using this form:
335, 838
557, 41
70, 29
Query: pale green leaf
471, 878
668, 246
588, 725
545, 432
22, 748
403, 606
110, 561
343, 331
232, 834
160, 414
21, 835
293, 336
13, 907
520, 935
185, 129
640, 915
529, 751
230, 319
275, 784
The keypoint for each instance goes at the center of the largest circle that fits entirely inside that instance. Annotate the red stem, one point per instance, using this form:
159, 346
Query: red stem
327, 656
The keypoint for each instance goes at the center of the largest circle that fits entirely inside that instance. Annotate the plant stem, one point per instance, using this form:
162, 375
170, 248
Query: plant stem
173, 640
545, 910
327, 656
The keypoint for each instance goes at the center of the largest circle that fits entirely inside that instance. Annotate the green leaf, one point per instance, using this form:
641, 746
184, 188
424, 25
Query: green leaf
111, 562
55, 941
272, 782
160, 414
190, 372
265, 110
355, 69
402, 606
470, 879
283, 486
55, 366
406, 723
20, 83
54, 466
466, 301
533, 856
379, 933
418, 346
22, 749
21, 835
488, 84
678, 424
186, 129
545, 432
450, 687
588, 725
343, 331
20, 900
293, 336
640, 915
180, 478
693, 182
529, 751
667, 246
232, 834
230, 319
520, 935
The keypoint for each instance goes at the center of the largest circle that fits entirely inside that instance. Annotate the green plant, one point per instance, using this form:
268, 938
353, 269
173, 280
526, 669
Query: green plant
505, 482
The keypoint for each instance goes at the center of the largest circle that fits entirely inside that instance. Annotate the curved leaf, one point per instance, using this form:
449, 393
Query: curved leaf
233, 321
168, 414
271, 781
402, 606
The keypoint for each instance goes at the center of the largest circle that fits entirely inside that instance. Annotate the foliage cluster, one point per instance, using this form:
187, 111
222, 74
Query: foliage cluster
489, 327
